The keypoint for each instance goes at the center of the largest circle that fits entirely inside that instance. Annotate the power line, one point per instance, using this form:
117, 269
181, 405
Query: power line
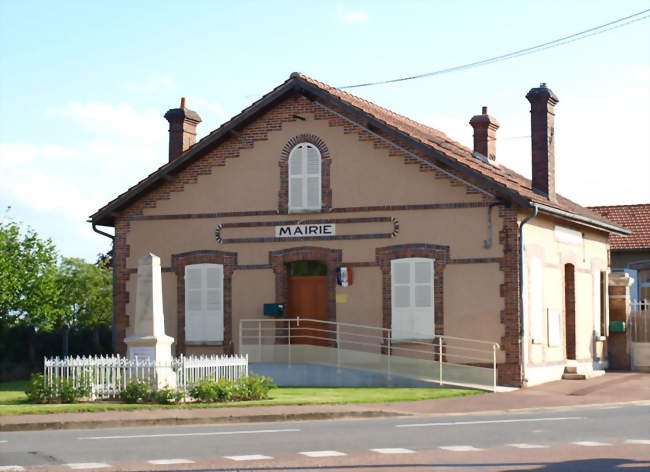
522, 52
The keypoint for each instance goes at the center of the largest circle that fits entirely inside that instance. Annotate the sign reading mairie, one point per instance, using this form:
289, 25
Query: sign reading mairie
300, 231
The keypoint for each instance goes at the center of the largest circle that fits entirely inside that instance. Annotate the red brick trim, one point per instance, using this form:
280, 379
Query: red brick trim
331, 258
229, 261
509, 372
384, 256
326, 162
121, 275
234, 214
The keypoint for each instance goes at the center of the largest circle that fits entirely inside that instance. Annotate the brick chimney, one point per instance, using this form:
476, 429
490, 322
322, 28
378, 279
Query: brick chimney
485, 134
542, 130
182, 129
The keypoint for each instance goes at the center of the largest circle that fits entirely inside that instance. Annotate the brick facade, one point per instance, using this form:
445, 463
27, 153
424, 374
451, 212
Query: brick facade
258, 130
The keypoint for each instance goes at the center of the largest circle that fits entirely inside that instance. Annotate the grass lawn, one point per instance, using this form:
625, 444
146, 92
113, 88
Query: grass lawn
14, 402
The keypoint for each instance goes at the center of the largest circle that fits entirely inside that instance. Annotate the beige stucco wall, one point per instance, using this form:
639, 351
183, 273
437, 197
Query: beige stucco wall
361, 175
589, 256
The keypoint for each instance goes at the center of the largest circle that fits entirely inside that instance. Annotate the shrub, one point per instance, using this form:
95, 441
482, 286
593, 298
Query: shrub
253, 387
209, 390
37, 391
168, 395
58, 390
136, 390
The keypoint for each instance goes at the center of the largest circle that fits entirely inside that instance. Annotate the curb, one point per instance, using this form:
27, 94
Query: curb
179, 421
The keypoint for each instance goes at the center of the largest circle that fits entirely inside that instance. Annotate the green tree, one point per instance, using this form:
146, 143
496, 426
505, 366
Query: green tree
85, 297
28, 289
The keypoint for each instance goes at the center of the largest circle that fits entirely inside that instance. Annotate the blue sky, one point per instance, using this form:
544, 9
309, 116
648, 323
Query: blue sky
84, 85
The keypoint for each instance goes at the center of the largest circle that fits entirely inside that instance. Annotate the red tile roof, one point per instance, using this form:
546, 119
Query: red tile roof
633, 217
504, 178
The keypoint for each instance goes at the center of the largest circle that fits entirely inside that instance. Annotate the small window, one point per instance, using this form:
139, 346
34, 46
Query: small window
412, 295
304, 178
204, 303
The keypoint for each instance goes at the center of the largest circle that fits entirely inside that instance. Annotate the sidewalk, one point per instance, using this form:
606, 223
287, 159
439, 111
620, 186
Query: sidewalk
613, 388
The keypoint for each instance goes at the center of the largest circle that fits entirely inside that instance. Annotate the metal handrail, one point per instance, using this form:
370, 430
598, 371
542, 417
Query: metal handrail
440, 346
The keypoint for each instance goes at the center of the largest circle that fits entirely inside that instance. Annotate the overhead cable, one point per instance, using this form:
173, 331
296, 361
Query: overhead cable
642, 15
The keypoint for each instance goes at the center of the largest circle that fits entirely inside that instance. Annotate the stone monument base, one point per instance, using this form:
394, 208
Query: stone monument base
158, 349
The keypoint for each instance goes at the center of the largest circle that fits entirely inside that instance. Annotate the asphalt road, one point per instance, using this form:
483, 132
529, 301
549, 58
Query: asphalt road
610, 438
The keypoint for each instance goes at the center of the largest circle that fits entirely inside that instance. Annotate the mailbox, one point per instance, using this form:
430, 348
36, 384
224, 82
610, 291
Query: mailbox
617, 326
273, 309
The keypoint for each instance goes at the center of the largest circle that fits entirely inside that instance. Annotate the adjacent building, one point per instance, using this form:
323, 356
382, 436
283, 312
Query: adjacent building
339, 209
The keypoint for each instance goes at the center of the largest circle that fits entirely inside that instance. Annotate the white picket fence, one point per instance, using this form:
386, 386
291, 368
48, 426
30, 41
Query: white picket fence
109, 375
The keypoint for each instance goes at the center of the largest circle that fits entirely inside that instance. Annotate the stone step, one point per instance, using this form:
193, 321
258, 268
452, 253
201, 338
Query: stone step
571, 369
582, 376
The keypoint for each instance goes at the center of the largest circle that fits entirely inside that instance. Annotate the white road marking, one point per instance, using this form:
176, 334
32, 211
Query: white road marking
322, 453
251, 457
522, 420
637, 441
170, 461
527, 446
393, 450
88, 465
174, 435
460, 448
590, 443
4, 441
11, 468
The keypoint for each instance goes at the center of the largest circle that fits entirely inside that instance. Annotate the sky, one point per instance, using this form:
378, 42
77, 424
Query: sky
84, 87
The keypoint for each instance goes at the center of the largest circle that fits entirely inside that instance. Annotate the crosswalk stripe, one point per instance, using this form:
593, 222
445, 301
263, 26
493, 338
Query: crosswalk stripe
637, 441
460, 448
88, 465
527, 446
11, 468
322, 453
249, 457
170, 461
393, 450
590, 443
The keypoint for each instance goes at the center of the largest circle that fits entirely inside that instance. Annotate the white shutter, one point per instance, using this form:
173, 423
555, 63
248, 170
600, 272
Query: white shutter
536, 299
193, 302
204, 302
304, 178
412, 298
213, 321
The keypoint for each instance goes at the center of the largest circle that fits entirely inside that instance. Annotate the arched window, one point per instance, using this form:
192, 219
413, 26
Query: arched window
412, 298
304, 178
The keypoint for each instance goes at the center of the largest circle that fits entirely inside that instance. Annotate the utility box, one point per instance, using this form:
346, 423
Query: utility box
617, 326
273, 309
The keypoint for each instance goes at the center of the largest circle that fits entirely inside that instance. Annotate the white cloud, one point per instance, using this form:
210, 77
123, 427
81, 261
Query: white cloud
115, 146
350, 16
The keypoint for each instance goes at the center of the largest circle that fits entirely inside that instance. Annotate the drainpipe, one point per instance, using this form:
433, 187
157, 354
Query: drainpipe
522, 330
98, 231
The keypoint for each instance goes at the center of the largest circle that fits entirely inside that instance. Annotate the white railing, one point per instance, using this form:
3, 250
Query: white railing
109, 375
444, 359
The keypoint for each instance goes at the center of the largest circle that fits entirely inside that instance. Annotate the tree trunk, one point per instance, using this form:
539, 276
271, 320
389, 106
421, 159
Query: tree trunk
66, 341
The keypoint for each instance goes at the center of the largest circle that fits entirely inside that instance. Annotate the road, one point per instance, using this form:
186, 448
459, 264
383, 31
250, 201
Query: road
569, 439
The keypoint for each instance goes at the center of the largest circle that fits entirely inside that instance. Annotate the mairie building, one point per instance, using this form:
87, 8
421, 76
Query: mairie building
330, 207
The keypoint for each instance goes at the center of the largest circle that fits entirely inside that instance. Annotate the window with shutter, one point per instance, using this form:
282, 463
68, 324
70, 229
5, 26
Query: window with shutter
304, 178
204, 303
412, 298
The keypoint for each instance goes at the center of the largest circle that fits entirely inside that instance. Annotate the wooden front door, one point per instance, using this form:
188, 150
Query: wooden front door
308, 299
570, 310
